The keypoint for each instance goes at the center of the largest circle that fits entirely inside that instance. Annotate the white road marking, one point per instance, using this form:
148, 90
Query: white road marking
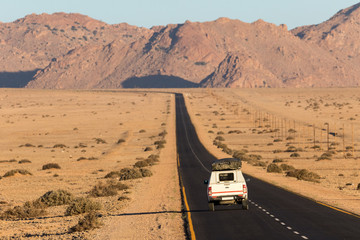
192, 150
278, 220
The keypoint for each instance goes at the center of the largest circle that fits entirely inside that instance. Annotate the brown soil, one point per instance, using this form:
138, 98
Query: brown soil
35, 121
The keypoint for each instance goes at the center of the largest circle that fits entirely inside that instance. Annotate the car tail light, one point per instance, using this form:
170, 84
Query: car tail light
209, 191
244, 188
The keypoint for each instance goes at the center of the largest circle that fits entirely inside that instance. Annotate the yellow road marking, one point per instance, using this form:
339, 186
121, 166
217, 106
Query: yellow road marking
191, 227
337, 209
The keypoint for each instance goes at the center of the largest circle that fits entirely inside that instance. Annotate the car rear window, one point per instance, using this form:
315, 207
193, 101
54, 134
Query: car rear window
226, 177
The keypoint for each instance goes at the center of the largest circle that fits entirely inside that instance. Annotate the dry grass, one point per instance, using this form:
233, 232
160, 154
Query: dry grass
274, 168
28, 210
55, 198
17, 171
110, 188
82, 205
51, 166
303, 174
89, 222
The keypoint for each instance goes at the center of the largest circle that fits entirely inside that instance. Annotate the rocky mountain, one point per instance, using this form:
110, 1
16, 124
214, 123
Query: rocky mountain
31, 43
339, 36
74, 51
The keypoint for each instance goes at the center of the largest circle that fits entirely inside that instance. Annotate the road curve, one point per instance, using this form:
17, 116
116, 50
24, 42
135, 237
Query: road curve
274, 213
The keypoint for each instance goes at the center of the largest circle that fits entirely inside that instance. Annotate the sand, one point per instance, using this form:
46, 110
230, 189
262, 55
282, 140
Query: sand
89, 124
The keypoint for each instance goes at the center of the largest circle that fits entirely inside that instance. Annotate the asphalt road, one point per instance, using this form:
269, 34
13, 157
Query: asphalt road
274, 213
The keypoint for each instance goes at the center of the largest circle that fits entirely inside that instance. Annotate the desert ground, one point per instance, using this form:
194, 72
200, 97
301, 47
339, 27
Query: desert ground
89, 135
93, 135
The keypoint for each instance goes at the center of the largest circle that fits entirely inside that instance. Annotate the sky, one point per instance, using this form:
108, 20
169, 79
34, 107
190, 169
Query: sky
148, 13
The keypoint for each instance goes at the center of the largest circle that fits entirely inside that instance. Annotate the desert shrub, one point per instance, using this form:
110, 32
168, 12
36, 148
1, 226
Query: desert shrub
28, 210
152, 159
277, 160
89, 222
315, 147
160, 144
255, 157
141, 163
145, 172
277, 151
358, 187
55, 198
294, 155
220, 138
291, 149
15, 171
51, 166
277, 140
259, 164
148, 149
286, 167
129, 173
210, 131
325, 156
133, 173
303, 174
163, 133
220, 133
273, 168
239, 153
348, 148
24, 161
142, 131
8, 161
109, 189
122, 198
27, 145
290, 138
82, 205
112, 174
59, 146
120, 141
81, 158
99, 141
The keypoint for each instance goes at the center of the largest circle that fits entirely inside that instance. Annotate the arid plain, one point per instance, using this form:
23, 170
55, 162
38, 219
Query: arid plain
90, 134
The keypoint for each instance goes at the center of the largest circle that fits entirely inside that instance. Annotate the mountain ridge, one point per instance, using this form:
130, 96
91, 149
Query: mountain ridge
76, 51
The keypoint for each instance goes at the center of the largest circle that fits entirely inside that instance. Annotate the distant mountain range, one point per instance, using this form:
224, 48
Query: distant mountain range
73, 51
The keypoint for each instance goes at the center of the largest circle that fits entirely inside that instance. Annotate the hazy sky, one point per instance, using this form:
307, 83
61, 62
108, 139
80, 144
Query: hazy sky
148, 13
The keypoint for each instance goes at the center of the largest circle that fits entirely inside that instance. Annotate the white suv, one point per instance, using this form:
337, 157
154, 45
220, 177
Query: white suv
227, 184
